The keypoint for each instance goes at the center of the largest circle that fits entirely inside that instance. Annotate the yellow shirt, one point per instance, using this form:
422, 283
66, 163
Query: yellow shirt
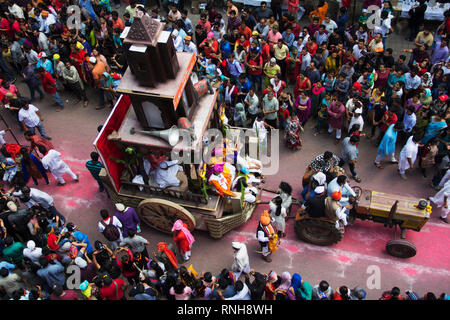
280, 53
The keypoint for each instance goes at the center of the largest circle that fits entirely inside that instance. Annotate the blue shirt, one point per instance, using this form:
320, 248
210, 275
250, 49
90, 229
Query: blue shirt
245, 87
409, 121
288, 38
189, 26
82, 237
345, 189
53, 274
410, 82
47, 65
225, 48
88, 6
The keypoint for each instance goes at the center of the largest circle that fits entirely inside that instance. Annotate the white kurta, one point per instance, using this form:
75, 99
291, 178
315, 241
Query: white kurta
165, 178
279, 222
409, 151
439, 198
241, 261
51, 161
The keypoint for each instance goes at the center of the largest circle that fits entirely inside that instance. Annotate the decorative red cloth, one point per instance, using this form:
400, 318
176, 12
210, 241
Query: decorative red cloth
162, 247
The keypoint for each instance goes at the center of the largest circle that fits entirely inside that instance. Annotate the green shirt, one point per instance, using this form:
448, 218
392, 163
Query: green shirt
270, 105
14, 253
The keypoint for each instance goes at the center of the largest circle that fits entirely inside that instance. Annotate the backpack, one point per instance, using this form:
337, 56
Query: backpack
111, 232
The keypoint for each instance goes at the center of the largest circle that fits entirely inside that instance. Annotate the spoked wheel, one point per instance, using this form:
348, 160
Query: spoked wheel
358, 191
401, 248
161, 214
319, 232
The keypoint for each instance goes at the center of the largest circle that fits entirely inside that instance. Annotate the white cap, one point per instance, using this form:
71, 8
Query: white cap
319, 189
358, 111
120, 207
81, 262
320, 177
273, 60
92, 60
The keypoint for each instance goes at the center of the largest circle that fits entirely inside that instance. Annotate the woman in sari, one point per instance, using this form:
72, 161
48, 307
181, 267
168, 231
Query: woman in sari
305, 291
422, 120
32, 167
303, 84
303, 105
292, 132
293, 64
433, 129
293, 291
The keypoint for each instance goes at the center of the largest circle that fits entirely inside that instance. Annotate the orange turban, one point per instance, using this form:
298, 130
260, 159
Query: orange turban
336, 195
265, 218
44, 13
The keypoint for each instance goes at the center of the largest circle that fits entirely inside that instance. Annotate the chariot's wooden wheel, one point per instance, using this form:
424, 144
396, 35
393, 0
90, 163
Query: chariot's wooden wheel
161, 214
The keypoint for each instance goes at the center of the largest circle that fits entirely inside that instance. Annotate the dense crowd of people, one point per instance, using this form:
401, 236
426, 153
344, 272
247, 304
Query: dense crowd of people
272, 72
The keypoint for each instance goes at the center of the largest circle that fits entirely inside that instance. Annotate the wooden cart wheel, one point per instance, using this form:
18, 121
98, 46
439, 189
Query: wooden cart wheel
358, 191
318, 231
161, 214
401, 248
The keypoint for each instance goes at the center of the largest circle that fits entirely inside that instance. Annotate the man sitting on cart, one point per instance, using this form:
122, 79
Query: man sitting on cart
166, 175
340, 184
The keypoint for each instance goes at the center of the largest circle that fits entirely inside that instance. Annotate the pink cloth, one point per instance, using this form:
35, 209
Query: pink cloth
178, 225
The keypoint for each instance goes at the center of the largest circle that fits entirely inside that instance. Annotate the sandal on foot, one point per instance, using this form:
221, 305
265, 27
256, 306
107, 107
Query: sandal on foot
379, 166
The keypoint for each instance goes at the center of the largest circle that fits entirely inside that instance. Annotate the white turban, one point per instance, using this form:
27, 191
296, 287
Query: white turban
120, 207
320, 177
31, 245
80, 262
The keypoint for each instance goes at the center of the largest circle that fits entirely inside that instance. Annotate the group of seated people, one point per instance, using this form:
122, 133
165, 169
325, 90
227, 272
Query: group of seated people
226, 173
326, 190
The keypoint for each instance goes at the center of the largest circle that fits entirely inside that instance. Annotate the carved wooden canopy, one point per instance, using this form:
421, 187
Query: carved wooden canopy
144, 30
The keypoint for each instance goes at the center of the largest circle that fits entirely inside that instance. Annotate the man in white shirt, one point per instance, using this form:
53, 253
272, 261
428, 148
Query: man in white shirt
359, 49
32, 252
45, 20
32, 197
188, 45
330, 25
52, 162
31, 118
252, 102
357, 119
306, 59
341, 183
15, 10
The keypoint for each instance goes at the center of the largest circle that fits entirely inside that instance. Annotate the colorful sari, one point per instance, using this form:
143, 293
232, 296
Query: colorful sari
293, 127
433, 130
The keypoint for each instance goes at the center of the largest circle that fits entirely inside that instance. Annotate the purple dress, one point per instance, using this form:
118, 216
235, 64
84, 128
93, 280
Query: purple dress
336, 115
129, 220
303, 115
